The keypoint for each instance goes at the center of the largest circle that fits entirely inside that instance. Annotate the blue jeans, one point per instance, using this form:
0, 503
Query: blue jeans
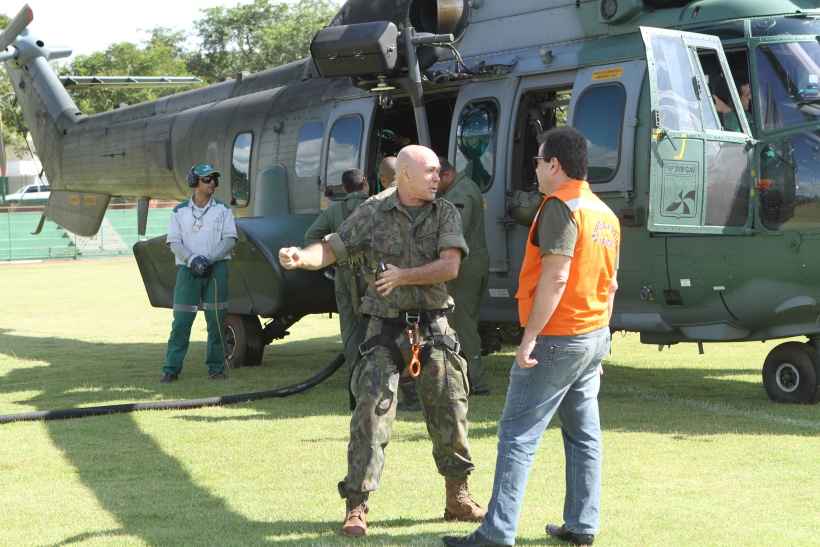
565, 380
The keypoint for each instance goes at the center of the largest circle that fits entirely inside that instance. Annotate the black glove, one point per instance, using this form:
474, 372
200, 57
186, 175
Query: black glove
200, 266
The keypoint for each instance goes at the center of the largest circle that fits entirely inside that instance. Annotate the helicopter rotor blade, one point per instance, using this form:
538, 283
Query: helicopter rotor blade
15, 27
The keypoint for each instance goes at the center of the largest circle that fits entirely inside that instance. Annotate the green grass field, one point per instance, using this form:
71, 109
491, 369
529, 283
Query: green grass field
695, 454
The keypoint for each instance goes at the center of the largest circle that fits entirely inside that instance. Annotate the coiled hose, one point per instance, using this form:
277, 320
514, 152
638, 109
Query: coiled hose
102, 410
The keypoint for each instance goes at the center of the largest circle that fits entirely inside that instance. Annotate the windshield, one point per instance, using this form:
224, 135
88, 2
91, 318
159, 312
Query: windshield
789, 186
788, 79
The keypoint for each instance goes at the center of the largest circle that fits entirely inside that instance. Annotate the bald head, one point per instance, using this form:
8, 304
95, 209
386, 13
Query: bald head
387, 171
417, 175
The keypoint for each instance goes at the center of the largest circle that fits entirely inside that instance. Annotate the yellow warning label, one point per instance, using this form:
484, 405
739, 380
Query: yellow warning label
608, 74
74, 200
90, 201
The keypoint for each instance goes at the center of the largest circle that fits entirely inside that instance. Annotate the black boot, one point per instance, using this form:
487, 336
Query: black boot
476, 539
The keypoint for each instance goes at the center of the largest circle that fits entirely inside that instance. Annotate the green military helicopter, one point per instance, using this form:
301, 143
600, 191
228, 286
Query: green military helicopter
703, 121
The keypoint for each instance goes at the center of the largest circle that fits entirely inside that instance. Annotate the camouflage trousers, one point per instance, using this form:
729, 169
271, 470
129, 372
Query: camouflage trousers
442, 388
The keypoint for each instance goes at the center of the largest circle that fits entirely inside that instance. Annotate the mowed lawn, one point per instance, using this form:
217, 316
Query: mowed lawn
695, 454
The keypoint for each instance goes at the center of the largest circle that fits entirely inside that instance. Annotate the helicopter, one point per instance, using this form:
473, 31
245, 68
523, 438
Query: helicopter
702, 119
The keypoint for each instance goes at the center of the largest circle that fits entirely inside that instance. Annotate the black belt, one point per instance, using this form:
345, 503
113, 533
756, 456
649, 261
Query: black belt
412, 317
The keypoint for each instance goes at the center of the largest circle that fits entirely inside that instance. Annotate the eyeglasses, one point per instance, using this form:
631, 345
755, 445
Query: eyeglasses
207, 180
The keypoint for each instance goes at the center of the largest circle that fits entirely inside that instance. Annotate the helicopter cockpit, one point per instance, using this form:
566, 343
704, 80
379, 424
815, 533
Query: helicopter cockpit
775, 63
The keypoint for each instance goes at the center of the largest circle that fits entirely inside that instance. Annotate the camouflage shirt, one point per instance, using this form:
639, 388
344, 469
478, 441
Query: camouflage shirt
382, 229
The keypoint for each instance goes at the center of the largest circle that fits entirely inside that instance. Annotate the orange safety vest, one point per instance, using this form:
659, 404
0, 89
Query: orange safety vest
584, 304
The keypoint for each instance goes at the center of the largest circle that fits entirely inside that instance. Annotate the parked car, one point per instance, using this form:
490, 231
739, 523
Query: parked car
30, 194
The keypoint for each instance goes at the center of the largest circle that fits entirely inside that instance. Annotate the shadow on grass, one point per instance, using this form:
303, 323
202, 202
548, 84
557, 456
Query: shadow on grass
678, 401
163, 505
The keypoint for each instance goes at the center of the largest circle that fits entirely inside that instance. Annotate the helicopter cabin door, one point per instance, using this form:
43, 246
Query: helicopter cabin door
700, 169
478, 144
346, 143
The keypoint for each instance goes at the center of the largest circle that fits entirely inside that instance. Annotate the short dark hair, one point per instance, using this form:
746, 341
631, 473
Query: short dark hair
353, 180
445, 165
569, 147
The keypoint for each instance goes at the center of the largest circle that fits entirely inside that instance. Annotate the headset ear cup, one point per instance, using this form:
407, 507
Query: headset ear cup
192, 179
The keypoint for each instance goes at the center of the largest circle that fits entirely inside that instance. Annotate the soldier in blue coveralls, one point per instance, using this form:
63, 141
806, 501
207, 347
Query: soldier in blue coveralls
201, 234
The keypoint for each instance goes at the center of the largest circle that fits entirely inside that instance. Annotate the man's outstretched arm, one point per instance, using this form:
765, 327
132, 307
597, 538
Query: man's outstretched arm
313, 257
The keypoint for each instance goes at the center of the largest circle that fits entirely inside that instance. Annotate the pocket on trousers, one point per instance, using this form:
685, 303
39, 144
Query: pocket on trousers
458, 386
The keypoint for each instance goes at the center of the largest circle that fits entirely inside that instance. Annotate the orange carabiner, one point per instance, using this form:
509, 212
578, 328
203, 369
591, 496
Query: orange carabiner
413, 336
414, 368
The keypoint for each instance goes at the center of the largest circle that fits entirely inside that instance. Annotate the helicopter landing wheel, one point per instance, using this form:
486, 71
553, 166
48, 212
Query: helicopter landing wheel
790, 373
243, 341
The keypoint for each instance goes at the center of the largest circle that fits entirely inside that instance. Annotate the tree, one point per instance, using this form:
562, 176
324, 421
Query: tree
11, 117
161, 55
256, 36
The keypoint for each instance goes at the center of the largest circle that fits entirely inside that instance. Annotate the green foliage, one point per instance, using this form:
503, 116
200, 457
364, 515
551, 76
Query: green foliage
256, 36
11, 117
160, 55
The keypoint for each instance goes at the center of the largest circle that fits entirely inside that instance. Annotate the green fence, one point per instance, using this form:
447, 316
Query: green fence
117, 234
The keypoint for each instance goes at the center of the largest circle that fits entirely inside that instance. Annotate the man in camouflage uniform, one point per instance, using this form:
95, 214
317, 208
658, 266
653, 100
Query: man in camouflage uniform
348, 287
418, 239
470, 286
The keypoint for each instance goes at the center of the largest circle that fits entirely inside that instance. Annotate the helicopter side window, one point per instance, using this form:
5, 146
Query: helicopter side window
241, 170
309, 149
599, 116
476, 138
344, 149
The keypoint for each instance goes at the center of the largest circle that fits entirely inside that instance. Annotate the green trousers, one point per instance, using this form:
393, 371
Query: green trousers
351, 324
467, 291
190, 294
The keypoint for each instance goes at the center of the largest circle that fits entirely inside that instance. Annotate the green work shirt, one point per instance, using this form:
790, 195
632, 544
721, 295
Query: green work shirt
556, 233
469, 201
382, 229
331, 218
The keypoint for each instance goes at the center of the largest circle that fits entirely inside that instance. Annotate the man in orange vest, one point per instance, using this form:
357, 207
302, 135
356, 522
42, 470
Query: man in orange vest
565, 294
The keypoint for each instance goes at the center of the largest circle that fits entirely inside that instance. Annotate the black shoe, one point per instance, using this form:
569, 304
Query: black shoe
167, 378
476, 539
561, 532
479, 390
217, 376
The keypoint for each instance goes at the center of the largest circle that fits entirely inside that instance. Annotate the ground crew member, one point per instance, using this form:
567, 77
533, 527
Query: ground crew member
349, 288
470, 286
387, 172
412, 245
201, 234
566, 289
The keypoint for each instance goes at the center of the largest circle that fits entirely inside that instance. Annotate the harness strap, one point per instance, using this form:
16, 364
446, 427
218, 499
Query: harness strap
386, 341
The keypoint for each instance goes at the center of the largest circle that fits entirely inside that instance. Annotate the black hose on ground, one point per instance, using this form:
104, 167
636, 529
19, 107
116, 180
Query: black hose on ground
67, 413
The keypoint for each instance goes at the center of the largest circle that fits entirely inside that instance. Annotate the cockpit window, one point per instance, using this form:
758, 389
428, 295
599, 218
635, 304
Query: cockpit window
789, 83
678, 103
789, 186
777, 26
